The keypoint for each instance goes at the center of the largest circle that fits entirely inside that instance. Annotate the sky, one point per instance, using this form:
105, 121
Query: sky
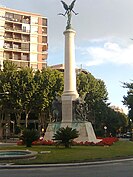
103, 41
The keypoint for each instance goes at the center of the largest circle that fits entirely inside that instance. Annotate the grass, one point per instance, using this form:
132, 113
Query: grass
74, 154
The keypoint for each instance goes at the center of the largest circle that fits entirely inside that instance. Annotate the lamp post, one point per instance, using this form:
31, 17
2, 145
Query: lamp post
131, 129
105, 130
13, 128
6, 131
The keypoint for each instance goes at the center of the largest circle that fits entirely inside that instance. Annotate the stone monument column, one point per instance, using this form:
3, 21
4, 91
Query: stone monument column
70, 93
85, 129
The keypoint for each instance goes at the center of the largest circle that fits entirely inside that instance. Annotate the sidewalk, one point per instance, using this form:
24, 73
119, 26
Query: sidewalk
8, 144
100, 162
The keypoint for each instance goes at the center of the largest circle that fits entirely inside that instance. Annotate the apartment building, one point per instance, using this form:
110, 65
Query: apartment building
23, 38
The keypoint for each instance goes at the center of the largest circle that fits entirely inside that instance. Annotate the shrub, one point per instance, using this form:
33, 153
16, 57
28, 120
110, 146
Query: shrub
28, 136
65, 136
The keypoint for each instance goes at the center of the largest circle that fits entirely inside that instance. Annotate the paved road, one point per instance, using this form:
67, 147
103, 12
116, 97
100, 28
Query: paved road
117, 169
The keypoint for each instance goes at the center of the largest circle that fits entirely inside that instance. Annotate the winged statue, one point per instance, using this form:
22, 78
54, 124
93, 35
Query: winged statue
68, 12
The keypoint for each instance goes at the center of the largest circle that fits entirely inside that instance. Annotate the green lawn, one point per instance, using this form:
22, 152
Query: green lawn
75, 153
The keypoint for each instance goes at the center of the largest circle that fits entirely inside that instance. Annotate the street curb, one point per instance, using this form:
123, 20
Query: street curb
11, 166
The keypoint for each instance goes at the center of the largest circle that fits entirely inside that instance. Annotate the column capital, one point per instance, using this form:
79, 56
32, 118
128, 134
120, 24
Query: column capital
69, 31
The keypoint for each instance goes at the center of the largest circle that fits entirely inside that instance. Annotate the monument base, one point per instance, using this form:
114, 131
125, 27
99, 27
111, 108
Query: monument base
86, 132
67, 107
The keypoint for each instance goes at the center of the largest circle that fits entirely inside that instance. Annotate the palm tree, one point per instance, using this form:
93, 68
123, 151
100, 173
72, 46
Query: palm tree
65, 136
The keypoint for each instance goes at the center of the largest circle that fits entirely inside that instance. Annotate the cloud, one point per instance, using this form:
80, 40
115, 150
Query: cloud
109, 52
96, 20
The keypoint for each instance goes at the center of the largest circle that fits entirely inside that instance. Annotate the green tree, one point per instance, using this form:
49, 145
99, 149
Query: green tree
21, 88
94, 93
25, 91
7, 76
49, 85
128, 99
29, 91
93, 90
100, 113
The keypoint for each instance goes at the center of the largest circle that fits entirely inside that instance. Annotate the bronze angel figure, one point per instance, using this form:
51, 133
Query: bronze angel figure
68, 12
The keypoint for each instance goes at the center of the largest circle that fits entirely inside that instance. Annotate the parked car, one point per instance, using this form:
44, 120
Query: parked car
128, 135
125, 135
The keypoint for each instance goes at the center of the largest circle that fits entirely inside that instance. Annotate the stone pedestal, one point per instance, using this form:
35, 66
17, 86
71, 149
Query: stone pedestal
86, 132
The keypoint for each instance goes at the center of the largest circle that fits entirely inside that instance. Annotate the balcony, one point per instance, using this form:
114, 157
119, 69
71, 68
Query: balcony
17, 39
21, 63
13, 19
19, 49
8, 28
10, 38
17, 29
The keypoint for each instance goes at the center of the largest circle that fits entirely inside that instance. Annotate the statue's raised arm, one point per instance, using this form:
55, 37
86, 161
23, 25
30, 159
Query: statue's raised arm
68, 12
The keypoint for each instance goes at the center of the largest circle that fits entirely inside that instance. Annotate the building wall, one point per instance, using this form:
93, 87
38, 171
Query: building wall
22, 38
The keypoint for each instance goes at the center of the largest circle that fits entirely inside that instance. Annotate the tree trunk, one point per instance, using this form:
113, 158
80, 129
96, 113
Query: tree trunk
26, 119
18, 118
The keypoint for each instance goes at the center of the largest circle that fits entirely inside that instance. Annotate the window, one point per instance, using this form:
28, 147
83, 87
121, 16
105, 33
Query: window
24, 29
8, 55
25, 38
26, 19
17, 46
17, 27
17, 18
44, 48
8, 35
44, 30
9, 16
25, 47
7, 45
25, 57
16, 56
44, 39
9, 26
17, 36
44, 22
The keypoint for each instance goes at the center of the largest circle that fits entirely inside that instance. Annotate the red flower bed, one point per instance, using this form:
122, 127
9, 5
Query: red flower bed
38, 142
43, 142
104, 142
109, 140
20, 142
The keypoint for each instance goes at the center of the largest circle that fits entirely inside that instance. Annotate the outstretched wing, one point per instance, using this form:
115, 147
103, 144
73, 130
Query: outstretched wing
65, 5
72, 5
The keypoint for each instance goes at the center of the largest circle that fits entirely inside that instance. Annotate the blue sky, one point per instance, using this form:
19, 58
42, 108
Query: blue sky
104, 29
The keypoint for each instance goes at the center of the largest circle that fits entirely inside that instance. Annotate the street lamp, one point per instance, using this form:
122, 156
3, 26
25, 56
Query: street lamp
6, 131
105, 130
130, 127
43, 132
12, 122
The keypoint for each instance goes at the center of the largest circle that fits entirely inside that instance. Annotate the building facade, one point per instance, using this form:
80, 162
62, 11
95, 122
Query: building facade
23, 38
